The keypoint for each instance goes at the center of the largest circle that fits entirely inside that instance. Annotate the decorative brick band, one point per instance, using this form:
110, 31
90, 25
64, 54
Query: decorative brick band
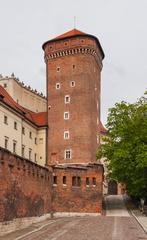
73, 51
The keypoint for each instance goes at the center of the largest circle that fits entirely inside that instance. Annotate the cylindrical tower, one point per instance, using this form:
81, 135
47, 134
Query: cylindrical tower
73, 63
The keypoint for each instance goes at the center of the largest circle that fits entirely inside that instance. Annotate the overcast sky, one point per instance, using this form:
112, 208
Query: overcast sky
120, 26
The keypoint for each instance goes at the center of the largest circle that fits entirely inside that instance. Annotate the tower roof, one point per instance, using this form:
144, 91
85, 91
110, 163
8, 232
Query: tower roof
74, 33
71, 33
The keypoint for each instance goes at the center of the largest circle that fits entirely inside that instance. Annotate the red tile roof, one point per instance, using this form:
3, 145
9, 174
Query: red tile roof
70, 33
39, 119
103, 130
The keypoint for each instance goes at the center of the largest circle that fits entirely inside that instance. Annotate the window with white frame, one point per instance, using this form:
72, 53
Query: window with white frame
72, 83
66, 134
5, 119
67, 154
57, 85
15, 125
30, 153
23, 151
14, 146
66, 115
67, 99
6, 142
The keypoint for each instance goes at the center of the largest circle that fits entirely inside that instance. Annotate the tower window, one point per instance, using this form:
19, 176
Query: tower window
35, 140
67, 154
73, 66
72, 83
66, 115
66, 135
67, 99
58, 69
64, 180
57, 85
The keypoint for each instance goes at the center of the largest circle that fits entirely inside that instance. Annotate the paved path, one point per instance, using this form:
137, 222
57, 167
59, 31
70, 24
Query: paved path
115, 206
116, 225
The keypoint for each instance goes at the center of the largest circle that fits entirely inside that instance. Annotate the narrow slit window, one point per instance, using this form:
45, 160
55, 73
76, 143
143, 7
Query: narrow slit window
94, 181
55, 180
64, 180
87, 181
73, 181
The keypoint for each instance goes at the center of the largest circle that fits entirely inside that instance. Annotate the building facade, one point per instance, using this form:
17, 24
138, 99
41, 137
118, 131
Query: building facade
23, 132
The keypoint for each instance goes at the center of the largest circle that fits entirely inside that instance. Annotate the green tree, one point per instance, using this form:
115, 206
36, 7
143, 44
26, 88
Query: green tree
125, 148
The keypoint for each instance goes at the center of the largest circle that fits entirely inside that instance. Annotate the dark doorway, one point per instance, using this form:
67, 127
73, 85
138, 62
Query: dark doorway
112, 187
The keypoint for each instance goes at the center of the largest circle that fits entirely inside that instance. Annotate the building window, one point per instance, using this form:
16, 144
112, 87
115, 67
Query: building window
30, 134
5, 85
35, 157
87, 182
35, 140
72, 83
73, 66
30, 153
76, 181
58, 69
15, 125
66, 115
67, 99
5, 119
14, 146
66, 135
23, 151
23, 130
57, 85
94, 181
64, 180
55, 180
67, 154
6, 142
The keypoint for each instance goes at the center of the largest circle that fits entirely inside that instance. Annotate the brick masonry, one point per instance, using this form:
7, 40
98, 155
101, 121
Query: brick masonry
25, 188
73, 196
75, 59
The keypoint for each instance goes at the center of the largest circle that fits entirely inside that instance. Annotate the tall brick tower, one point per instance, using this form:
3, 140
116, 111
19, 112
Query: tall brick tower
73, 64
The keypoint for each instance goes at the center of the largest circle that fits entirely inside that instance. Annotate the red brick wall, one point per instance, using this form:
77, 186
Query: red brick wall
25, 188
83, 109
82, 199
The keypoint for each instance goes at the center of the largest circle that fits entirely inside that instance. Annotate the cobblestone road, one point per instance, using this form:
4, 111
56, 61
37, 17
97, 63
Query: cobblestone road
118, 224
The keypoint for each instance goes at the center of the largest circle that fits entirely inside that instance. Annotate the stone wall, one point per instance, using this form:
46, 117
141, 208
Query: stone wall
25, 187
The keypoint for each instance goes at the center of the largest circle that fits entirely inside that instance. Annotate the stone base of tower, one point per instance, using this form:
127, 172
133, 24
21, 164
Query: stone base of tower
77, 189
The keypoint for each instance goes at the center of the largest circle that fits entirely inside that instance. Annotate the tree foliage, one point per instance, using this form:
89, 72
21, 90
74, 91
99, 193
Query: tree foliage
125, 148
